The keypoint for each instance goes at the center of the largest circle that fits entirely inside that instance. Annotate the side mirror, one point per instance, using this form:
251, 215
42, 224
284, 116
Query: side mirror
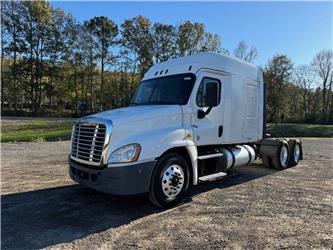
212, 94
212, 98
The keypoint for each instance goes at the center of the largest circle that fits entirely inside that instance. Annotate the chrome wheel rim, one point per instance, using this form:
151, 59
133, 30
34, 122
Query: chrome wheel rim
284, 155
297, 152
172, 181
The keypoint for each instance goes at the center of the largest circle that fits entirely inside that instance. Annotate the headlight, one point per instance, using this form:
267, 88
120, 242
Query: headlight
124, 154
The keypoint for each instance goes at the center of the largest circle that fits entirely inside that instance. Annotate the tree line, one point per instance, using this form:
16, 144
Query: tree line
302, 93
51, 64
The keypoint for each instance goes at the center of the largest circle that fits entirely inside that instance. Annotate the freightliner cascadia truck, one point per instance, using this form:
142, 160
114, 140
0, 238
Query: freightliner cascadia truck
191, 120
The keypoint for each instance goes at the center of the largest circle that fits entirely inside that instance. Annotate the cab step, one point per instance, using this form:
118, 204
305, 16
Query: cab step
212, 177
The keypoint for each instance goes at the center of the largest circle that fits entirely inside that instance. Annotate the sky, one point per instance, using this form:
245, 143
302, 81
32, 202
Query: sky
297, 29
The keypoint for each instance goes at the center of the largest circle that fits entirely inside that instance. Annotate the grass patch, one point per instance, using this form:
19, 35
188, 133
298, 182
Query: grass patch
37, 130
299, 130
52, 130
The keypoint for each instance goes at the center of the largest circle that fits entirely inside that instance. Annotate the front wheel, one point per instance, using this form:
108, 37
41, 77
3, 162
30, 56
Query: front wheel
170, 181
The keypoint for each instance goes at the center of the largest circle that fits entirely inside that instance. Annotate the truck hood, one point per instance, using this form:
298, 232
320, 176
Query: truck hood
138, 113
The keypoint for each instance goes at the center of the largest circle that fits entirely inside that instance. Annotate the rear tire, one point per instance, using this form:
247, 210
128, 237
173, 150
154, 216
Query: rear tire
170, 181
281, 161
295, 147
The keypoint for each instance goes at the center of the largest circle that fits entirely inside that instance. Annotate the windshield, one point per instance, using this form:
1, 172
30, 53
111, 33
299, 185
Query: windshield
165, 90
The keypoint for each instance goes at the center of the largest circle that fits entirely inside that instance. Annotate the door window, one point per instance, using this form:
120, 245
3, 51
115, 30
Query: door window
201, 94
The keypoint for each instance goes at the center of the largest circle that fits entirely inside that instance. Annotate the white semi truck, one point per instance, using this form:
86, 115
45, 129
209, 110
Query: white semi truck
191, 120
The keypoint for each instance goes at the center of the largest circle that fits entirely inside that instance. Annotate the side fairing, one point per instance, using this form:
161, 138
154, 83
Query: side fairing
239, 113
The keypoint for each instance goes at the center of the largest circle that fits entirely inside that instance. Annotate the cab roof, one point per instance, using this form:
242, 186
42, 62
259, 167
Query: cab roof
206, 60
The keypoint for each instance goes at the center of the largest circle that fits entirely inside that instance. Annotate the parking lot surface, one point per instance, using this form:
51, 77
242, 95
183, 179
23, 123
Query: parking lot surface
256, 207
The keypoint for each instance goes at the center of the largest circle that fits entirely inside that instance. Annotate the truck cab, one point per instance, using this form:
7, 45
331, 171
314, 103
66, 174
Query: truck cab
191, 120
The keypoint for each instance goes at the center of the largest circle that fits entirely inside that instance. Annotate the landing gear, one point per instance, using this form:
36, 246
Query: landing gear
170, 181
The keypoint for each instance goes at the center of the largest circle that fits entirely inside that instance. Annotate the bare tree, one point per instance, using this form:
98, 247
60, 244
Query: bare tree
323, 66
245, 53
304, 78
330, 99
210, 43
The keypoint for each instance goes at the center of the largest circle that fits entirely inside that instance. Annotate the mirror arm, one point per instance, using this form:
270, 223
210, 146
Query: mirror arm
208, 110
202, 114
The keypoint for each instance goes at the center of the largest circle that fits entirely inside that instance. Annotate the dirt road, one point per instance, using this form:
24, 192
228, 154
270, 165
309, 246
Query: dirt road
254, 208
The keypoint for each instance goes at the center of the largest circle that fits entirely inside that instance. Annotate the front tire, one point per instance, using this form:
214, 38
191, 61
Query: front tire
170, 181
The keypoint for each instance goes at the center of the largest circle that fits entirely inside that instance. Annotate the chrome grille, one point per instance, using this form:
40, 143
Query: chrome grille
88, 141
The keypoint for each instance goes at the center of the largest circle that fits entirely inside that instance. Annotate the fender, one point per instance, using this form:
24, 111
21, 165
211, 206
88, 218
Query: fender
155, 143
193, 153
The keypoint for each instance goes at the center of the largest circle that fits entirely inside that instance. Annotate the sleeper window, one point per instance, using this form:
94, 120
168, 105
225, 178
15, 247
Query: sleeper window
201, 94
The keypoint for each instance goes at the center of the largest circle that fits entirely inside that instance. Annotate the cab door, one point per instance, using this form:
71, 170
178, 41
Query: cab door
207, 130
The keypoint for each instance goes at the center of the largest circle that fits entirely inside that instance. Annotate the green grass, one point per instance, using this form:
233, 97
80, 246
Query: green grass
37, 130
299, 130
52, 130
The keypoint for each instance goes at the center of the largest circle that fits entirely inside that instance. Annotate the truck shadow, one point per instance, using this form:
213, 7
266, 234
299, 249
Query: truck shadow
239, 175
42, 218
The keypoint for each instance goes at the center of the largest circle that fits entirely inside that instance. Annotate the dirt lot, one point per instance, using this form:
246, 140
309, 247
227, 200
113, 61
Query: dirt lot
254, 208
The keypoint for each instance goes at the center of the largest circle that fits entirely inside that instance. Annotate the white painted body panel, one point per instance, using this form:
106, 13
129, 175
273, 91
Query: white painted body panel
156, 128
240, 111
212, 61
206, 130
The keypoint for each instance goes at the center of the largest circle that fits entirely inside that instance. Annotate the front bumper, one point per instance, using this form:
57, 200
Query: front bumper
127, 180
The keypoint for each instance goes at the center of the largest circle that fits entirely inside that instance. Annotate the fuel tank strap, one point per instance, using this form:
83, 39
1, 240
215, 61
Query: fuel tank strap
233, 157
250, 156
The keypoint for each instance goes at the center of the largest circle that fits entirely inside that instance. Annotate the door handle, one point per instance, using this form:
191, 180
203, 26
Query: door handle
194, 126
220, 130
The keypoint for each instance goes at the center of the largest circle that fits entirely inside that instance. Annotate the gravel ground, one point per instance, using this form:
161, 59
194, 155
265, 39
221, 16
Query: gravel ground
256, 207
